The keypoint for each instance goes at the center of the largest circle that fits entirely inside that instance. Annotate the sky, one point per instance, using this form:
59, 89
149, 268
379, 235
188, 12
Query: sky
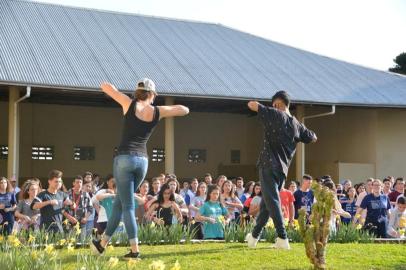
370, 33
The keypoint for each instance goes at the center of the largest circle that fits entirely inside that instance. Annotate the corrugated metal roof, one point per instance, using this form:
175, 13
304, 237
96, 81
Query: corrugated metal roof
76, 48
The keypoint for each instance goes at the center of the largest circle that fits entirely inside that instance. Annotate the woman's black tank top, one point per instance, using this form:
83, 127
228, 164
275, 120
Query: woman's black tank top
136, 132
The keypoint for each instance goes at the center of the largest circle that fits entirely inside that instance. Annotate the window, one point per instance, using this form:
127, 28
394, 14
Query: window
197, 155
158, 155
3, 151
235, 156
83, 153
43, 152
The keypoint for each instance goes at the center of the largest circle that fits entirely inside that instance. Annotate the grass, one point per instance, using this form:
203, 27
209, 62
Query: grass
213, 256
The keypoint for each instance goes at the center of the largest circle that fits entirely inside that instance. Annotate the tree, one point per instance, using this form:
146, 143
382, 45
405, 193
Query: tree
400, 66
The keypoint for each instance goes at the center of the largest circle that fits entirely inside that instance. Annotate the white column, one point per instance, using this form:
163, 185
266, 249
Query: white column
300, 149
169, 140
13, 134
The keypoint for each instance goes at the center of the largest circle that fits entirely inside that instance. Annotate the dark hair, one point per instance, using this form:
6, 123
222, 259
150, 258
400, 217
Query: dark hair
207, 175
232, 191
239, 178
307, 177
9, 187
160, 198
198, 188
329, 184
399, 179
401, 200
78, 177
257, 184
210, 189
54, 174
386, 179
87, 173
282, 95
247, 186
173, 180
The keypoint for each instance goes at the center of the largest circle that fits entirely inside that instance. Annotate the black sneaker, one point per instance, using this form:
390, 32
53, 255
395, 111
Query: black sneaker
131, 255
96, 247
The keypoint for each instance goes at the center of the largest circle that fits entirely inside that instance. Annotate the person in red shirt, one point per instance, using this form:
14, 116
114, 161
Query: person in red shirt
288, 208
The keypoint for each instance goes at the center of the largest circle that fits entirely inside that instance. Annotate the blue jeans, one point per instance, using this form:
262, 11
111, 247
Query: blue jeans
129, 172
272, 182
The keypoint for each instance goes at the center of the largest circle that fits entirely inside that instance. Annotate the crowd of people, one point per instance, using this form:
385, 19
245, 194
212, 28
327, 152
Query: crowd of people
206, 205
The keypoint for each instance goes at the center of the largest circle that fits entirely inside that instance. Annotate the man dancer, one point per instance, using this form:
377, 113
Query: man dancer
282, 132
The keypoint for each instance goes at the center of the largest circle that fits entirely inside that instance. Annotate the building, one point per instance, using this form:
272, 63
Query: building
61, 54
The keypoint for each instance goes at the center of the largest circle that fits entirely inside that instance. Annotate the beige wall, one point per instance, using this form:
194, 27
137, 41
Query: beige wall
3, 134
351, 136
66, 126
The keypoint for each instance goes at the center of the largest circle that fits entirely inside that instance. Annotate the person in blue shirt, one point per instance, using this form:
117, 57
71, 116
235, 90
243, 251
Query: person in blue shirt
377, 206
304, 197
8, 204
213, 215
348, 205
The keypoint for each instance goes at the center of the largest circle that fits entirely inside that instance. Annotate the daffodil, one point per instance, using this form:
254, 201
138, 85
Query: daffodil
132, 263
110, 248
72, 240
221, 219
34, 255
62, 242
113, 261
157, 265
152, 224
359, 227
70, 247
65, 222
31, 239
49, 248
402, 232
402, 222
176, 266
270, 224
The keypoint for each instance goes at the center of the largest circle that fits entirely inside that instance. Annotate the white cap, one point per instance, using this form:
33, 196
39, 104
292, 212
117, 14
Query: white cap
146, 84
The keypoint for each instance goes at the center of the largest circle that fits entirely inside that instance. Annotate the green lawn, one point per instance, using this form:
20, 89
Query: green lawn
213, 256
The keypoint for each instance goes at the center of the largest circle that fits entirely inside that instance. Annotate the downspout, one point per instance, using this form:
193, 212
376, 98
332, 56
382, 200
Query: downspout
333, 111
17, 133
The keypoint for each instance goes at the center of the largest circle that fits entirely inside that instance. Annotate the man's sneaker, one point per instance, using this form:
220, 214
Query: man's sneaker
282, 243
96, 247
251, 240
131, 255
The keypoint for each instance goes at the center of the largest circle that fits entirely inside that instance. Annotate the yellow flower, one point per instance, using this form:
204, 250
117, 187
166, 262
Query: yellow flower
1, 238
157, 265
62, 242
14, 241
70, 248
357, 216
176, 266
77, 229
72, 240
113, 261
132, 263
193, 221
49, 248
296, 223
359, 227
402, 232
402, 222
110, 248
34, 255
221, 219
65, 222
152, 224
270, 224
46, 237
31, 239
